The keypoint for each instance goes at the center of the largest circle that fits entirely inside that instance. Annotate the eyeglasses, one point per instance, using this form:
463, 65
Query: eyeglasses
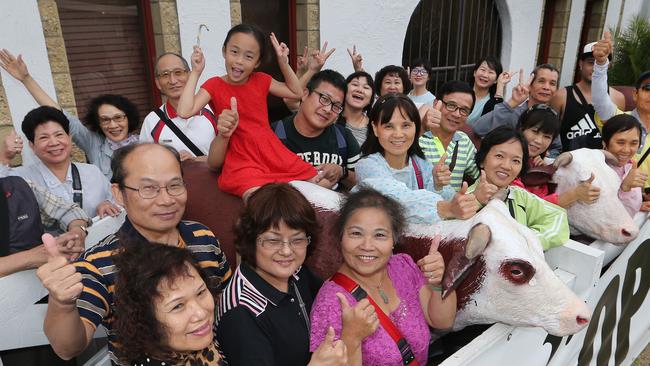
151, 191
543, 107
419, 71
645, 87
325, 100
165, 75
277, 244
118, 118
453, 107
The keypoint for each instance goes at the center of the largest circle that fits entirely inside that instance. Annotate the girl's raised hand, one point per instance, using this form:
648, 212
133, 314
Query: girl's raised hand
281, 49
197, 59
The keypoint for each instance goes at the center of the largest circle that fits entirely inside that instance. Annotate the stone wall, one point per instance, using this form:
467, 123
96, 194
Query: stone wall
165, 26
308, 25
559, 32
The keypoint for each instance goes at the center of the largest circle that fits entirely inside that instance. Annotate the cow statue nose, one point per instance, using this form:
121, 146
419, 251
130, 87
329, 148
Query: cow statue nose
581, 320
625, 233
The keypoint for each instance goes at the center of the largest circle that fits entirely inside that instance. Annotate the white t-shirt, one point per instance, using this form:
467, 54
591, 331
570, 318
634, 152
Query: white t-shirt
200, 129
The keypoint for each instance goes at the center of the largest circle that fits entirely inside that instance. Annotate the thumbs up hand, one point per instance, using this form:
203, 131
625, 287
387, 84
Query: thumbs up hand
462, 206
634, 178
602, 49
586, 192
433, 265
360, 320
59, 277
485, 190
432, 116
330, 352
441, 173
228, 120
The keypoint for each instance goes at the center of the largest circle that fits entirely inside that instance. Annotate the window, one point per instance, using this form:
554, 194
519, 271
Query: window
452, 35
106, 49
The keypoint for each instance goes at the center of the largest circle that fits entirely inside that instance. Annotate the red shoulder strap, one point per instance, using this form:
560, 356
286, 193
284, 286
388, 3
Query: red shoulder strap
418, 173
358, 293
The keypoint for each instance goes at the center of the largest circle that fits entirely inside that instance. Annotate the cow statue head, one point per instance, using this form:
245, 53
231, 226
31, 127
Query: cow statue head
504, 277
606, 219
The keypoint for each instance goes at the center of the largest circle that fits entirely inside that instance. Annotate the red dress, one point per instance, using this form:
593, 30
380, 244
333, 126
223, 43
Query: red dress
255, 155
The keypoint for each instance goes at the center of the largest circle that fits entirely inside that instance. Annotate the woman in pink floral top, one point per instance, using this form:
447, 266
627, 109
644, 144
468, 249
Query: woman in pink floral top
409, 293
621, 137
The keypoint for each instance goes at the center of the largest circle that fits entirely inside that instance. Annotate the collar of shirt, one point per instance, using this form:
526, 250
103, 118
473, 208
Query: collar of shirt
127, 141
171, 112
438, 143
50, 179
128, 232
274, 295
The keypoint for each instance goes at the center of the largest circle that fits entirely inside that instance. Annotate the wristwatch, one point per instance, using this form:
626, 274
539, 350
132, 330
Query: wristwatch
345, 172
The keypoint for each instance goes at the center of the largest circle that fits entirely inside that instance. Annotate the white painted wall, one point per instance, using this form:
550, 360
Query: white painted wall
21, 32
379, 34
216, 15
572, 46
377, 27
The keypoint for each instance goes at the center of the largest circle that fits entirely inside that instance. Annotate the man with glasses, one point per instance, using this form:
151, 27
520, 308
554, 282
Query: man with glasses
172, 72
457, 99
312, 134
148, 183
606, 109
538, 89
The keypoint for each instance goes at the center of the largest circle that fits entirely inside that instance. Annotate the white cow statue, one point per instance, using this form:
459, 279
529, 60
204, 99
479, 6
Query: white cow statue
606, 219
495, 264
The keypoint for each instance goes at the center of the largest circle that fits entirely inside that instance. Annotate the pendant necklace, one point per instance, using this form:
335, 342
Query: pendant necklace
381, 292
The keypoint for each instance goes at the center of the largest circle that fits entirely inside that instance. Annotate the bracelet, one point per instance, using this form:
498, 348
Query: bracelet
435, 288
345, 172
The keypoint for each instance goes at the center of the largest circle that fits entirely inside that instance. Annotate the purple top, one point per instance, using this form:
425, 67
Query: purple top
379, 348
633, 199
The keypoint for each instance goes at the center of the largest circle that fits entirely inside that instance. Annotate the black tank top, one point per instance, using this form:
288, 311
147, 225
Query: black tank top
578, 128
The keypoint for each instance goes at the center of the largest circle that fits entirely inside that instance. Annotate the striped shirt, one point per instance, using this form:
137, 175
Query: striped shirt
257, 324
96, 304
465, 163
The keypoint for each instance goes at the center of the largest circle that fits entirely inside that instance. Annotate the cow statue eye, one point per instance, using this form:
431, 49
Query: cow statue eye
517, 271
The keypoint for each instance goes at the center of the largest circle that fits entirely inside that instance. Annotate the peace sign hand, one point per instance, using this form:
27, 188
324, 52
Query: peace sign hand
281, 49
319, 57
357, 60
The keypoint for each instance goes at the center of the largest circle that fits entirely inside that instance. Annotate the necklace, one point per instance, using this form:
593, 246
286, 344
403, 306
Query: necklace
381, 292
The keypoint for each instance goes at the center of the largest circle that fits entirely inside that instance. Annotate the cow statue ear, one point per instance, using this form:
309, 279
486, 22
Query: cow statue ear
610, 158
464, 256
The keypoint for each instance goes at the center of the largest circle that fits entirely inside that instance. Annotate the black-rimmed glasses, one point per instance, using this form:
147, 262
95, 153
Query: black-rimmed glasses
149, 191
326, 100
453, 107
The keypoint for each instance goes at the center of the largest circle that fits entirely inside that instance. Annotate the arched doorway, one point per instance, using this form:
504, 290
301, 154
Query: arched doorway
452, 35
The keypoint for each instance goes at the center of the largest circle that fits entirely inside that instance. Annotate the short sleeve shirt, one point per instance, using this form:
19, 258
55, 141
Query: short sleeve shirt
96, 304
322, 149
260, 325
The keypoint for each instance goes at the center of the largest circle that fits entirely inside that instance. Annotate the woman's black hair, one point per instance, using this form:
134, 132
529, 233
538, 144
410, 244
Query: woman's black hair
370, 198
493, 64
619, 123
498, 136
382, 112
255, 31
120, 102
542, 117
388, 70
371, 83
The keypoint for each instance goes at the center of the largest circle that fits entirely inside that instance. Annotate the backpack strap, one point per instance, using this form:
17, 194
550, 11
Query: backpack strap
454, 156
358, 293
418, 173
278, 128
341, 143
77, 194
184, 139
5, 235
205, 112
645, 155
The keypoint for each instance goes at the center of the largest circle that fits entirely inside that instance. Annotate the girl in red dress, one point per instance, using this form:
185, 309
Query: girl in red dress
246, 148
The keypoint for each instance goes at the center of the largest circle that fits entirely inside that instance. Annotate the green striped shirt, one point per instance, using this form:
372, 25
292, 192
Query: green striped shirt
465, 163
